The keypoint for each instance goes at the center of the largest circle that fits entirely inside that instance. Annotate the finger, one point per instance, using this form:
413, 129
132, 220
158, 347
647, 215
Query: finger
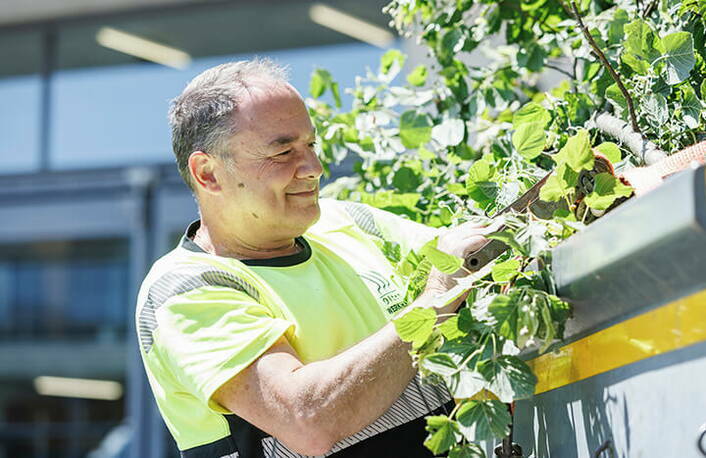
470, 225
495, 226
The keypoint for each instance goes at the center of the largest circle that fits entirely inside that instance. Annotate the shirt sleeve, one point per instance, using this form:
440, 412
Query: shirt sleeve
211, 334
389, 226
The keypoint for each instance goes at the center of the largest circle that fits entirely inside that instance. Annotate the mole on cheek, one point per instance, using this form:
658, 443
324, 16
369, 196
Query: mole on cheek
241, 185
255, 216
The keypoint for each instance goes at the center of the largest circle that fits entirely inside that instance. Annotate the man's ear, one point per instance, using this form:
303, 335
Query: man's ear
202, 167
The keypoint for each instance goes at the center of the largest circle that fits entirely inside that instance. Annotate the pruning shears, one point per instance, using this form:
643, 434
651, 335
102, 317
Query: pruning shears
530, 201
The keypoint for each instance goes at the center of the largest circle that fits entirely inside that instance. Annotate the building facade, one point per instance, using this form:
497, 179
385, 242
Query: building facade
89, 195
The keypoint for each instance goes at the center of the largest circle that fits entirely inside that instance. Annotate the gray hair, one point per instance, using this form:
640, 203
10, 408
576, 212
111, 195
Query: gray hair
201, 117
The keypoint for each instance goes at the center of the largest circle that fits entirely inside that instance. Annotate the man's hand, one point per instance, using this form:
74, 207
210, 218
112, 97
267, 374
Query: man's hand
459, 241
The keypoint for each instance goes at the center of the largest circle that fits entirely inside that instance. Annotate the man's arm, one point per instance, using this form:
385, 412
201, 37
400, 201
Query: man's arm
311, 407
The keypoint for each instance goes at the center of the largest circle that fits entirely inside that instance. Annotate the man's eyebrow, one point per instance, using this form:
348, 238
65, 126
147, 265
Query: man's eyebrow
287, 139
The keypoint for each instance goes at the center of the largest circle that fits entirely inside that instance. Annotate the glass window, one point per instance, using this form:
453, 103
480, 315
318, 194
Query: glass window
68, 289
20, 101
110, 116
109, 108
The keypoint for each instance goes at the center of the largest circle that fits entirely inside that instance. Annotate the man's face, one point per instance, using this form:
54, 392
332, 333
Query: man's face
272, 190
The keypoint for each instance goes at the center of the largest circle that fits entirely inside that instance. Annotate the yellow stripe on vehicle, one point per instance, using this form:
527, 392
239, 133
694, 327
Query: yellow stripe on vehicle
664, 329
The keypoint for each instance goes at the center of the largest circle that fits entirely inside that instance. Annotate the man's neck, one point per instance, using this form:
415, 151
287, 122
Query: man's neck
232, 246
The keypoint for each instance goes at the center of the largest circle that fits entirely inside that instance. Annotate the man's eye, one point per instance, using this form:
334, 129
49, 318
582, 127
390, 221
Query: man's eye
284, 153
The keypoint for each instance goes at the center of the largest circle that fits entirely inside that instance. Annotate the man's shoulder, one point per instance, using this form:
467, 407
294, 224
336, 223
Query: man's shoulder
181, 270
339, 214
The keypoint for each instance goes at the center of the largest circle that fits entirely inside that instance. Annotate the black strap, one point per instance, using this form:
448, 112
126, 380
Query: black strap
404, 441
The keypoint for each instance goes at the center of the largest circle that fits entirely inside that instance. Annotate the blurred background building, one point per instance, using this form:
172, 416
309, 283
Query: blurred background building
89, 195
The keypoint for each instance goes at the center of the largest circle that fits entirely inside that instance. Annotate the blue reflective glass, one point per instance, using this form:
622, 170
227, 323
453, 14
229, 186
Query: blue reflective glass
114, 116
19, 123
64, 290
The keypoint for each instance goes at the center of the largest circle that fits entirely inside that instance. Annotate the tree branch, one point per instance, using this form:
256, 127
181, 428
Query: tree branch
560, 70
604, 61
650, 8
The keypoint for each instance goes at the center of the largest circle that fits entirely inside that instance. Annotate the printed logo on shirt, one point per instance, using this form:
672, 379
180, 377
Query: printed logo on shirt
386, 292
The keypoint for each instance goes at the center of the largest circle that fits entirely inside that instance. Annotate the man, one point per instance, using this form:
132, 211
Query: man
267, 331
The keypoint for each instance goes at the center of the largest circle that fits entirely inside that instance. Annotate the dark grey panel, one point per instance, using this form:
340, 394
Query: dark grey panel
651, 409
648, 252
26, 360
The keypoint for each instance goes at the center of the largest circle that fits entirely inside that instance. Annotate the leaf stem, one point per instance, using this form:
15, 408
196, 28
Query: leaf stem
604, 61
454, 410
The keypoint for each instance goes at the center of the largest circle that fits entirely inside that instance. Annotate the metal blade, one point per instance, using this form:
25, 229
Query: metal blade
494, 248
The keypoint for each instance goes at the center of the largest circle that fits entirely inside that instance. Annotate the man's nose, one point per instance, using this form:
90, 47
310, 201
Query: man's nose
310, 166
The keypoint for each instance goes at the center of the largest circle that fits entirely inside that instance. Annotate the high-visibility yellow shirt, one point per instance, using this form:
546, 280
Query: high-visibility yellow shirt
202, 318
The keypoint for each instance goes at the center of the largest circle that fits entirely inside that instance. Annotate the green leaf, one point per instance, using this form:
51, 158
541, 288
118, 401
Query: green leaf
466, 451
450, 329
483, 420
532, 238
528, 325
510, 378
391, 250
481, 170
335, 93
465, 383
506, 270
532, 58
450, 132
641, 41
483, 192
576, 153
405, 180
389, 59
439, 363
416, 325
529, 140
450, 44
678, 57
504, 310
458, 189
549, 328
425, 154
415, 129
606, 189
457, 326
532, 112
479, 184
611, 151
560, 185
616, 26
320, 79
616, 97
508, 238
418, 76
655, 108
443, 434
444, 262
417, 280
640, 66
691, 107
